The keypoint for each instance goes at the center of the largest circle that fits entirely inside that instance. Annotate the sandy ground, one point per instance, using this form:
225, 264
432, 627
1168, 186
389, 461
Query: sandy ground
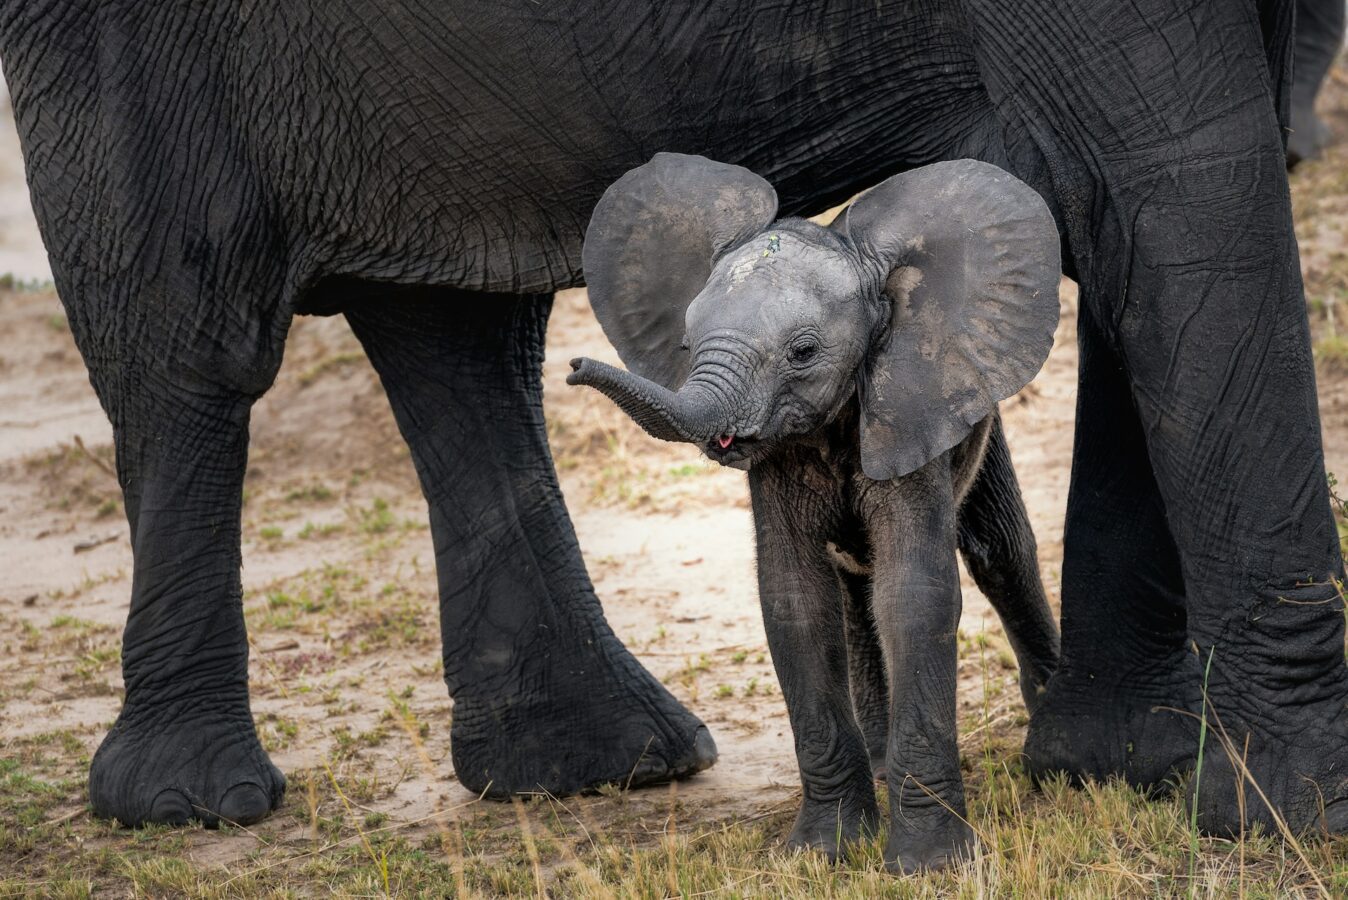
21, 252
339, 573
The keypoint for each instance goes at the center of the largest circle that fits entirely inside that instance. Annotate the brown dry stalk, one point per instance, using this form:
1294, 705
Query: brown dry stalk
530, 849
79, 444
448, 843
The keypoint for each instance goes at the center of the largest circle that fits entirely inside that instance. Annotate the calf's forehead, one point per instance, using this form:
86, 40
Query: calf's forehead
775, 277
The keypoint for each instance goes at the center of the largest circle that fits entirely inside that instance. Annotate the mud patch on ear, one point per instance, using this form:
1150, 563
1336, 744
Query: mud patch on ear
901, 284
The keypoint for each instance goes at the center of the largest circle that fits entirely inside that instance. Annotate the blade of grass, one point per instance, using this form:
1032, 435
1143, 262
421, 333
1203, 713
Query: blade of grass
1198, 773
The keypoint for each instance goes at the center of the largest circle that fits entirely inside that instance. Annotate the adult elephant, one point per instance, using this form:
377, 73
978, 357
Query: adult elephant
203, 172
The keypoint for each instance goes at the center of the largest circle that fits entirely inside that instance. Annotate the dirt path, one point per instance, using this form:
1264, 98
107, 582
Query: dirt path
339, 580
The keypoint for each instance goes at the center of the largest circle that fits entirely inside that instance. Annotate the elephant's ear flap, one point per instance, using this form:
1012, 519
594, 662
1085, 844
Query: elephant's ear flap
969, 257
650, 248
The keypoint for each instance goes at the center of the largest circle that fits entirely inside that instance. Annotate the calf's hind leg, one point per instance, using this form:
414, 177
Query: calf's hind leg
545, 696
999, 550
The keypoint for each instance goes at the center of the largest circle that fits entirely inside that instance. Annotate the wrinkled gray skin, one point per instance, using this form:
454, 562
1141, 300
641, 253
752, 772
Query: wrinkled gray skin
857, 574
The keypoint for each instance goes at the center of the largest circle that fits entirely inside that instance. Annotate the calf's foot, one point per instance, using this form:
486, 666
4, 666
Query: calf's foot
832, 826
189, 760
926, 839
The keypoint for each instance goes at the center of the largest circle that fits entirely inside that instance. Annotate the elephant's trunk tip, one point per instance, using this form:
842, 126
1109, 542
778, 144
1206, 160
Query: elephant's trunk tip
580, 371
658, 411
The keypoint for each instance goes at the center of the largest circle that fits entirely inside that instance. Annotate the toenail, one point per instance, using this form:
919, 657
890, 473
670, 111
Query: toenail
244, 804
170, 807
704, 750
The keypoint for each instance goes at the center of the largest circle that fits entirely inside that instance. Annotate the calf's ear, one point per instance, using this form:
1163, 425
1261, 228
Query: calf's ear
650, 248
969, 259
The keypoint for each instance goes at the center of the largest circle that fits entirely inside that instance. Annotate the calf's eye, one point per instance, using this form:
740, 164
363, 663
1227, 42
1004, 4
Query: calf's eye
803, 351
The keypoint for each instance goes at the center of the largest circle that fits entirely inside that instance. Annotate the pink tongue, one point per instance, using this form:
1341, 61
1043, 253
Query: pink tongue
725, 440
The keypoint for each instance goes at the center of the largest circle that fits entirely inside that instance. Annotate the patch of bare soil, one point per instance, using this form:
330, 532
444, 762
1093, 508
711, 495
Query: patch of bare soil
340, 587
1320, 209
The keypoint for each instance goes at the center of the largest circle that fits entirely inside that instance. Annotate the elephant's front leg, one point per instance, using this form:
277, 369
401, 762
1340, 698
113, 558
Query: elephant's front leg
916, 601
545, 696
803, 618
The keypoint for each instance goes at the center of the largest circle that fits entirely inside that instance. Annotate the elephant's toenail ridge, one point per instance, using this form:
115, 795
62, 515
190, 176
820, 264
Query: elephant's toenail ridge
244, 804
170, 807
704, 750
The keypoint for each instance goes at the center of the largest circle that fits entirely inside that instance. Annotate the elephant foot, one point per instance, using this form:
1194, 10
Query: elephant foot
1134, 726
910, 851
588, 726
831, 827
1298, 759
171, 765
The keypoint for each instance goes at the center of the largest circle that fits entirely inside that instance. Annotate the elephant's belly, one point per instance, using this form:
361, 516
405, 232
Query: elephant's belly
466, 145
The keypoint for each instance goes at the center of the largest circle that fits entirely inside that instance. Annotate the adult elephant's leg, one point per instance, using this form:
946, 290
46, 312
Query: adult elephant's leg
1216, 342
545, 696
1170, 172
1319, 38
1000, 551
184, 745
1126, 679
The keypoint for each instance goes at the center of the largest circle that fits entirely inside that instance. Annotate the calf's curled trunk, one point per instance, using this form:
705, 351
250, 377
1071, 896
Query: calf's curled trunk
693, 414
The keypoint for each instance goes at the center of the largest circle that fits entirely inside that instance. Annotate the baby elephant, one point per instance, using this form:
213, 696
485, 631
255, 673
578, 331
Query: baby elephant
855, 372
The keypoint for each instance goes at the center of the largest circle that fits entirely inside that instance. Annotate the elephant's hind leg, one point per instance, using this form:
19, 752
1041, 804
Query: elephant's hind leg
999, 549
184, 746
545, 696
1125, 667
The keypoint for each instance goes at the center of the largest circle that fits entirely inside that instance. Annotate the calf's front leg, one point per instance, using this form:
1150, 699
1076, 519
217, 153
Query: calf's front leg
802, 615
916, 603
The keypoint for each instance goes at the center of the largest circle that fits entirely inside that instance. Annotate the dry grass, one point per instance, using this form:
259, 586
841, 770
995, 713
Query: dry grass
1103, 840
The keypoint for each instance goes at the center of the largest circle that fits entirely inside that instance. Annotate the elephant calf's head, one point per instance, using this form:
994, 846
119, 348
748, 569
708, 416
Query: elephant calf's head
934, 295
